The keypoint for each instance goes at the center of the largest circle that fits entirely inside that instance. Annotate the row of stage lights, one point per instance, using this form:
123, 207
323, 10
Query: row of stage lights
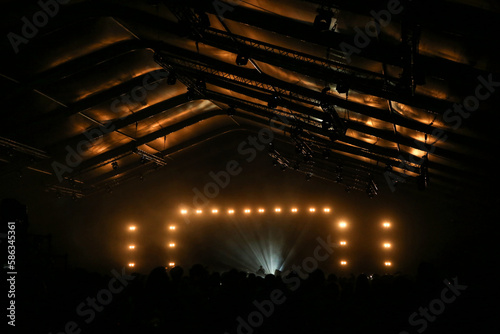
248, 211
342, 243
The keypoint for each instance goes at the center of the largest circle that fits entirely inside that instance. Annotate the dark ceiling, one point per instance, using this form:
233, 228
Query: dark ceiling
126, 85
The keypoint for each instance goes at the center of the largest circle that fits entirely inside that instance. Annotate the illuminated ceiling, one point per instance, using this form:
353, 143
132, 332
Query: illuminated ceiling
125, 85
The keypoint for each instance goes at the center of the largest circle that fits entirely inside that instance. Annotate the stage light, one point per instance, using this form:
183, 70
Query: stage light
215, 211
171, 244
294, 210
199, 211
343, 263
184, 211
277, 210
343, 243
247, 211
312, 210
132, 228
387, 245
326, 210
171, 227
386, 225
131, 247
131, 264
342, 224
171, 264
387, 264
230, 211
261, 210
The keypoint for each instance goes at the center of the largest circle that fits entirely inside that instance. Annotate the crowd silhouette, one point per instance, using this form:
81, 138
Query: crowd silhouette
196, 300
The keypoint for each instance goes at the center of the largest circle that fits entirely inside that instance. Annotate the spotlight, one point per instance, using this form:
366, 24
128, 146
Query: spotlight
342, 224
277, 210
326, 154
261, 210
171, 264
387, 264
343, 263
171, 227
386, 225
171, 79
342, 87
324, 21
171, 244
131, 247
326, 210
199, 211
273, 102
131, 264
294, 210
241, 59
184, 211
215, 211
230, 211
387, 245
312, 210
343, 243
132, 228
247, 211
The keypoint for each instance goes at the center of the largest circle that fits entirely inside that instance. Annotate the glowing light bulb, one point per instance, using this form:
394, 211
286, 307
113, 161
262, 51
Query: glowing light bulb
387, 264
343, 263
131, 264
386, 225
230, 211
199, 211
277, 210
387, 245
261, 210
131, 247
343, 243
247, 210
294, 210
171, 244
312, 209
184, 211
171, 227
171, 264
342, 224
215, 211
132, 228
326, 210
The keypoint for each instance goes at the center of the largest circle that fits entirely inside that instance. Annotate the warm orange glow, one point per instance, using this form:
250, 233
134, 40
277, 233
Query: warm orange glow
131, 264
171, 264
343, 263
261, 210
343, 243
215, 211
386, 225
184, 211
199, 211
171, 244
230, 211
342, 224
132, 228
277, 210
247, 210
294, 210
171, 227
326, 210
312, 209
387, 264
131, 247
387, 245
